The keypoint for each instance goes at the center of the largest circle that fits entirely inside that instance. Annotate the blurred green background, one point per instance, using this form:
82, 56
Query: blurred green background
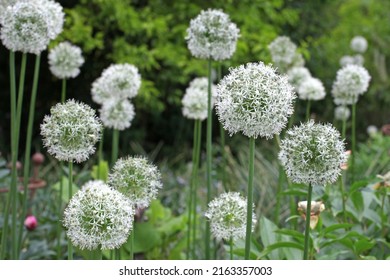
151, 35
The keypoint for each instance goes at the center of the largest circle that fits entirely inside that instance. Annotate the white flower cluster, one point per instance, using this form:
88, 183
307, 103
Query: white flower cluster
4, 4
117, 114
212, 35
357, 59
297, 75
359, 44
311, 89
112, 89
137, 179
342, 113
65, 60
98, 217
312, 153
284, 54
351, 81
255, 100
196, 98
71, 131
227, 214
28, 26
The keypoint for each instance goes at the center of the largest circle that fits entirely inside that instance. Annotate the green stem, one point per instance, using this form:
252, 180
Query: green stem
250, 198
208, 159
27, 156
307, 227
70, 192
279, 188
115, 146
195, 182
100, 155
384, 215
231, 247
308, 105
131, 247
4, 235
344, 128
353, 141
63, 91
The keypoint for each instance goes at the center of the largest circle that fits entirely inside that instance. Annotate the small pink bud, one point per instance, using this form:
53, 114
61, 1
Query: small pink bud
30, 222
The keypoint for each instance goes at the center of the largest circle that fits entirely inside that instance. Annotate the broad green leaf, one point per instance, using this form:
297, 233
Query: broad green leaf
336, 227
145, 237
4, 172
268, 235
65, 188
100, 171
271, 248
363, 245
292, 233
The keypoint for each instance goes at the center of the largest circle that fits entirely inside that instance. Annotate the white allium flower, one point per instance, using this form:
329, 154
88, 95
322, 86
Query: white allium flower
297, 75
195, 100
227, 214
54, 16
312, 153
342, 113
346, 60
283, 51
351, 81
372, 130
255, 100
137, 179
311, 89
359, 44
298, 60
98, 217
25, 28
118, 81
65, 60
6, 3
212, 35
71, 131
117, 114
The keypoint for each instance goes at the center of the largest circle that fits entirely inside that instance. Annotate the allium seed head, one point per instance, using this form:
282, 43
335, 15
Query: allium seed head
25, 28
119, 81
137, 179
255, 100
65, 60
98, 217
311, 89
71, 131
359, 44
283, 52
297, 75
117, 114
212, 35
342, 113
196, 98
312, 153
351, 81
227, 214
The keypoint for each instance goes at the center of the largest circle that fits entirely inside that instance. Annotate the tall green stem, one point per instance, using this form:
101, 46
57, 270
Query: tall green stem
70, 192
308, 106
63, 91
208, 158
307, 227
250, 198
115, 146
131, 247
100, 155
279, 188
27, 156
231, 247
13, 153
353, 141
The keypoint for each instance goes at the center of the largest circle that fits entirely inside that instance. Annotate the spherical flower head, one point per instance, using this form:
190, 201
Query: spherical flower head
65, 60
195, 100
137, 179
71, 131
351, 81
54, 16
117, 114
283, 51
311, 89
312, 153
255, 100
212, 35
98, 217
359, 44
297, 75
118, 81
25, 28
227, 214
342, 113
4, 4
346, 60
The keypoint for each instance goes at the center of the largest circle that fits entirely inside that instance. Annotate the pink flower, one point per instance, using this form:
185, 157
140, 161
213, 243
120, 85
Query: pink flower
30, 222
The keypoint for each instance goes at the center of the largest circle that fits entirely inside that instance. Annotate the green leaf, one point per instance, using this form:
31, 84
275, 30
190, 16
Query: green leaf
145, 237
336, 227
65, 188
269, 249
363, 245
3, 162
292, 233
268, 236
100, 171
4, 173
